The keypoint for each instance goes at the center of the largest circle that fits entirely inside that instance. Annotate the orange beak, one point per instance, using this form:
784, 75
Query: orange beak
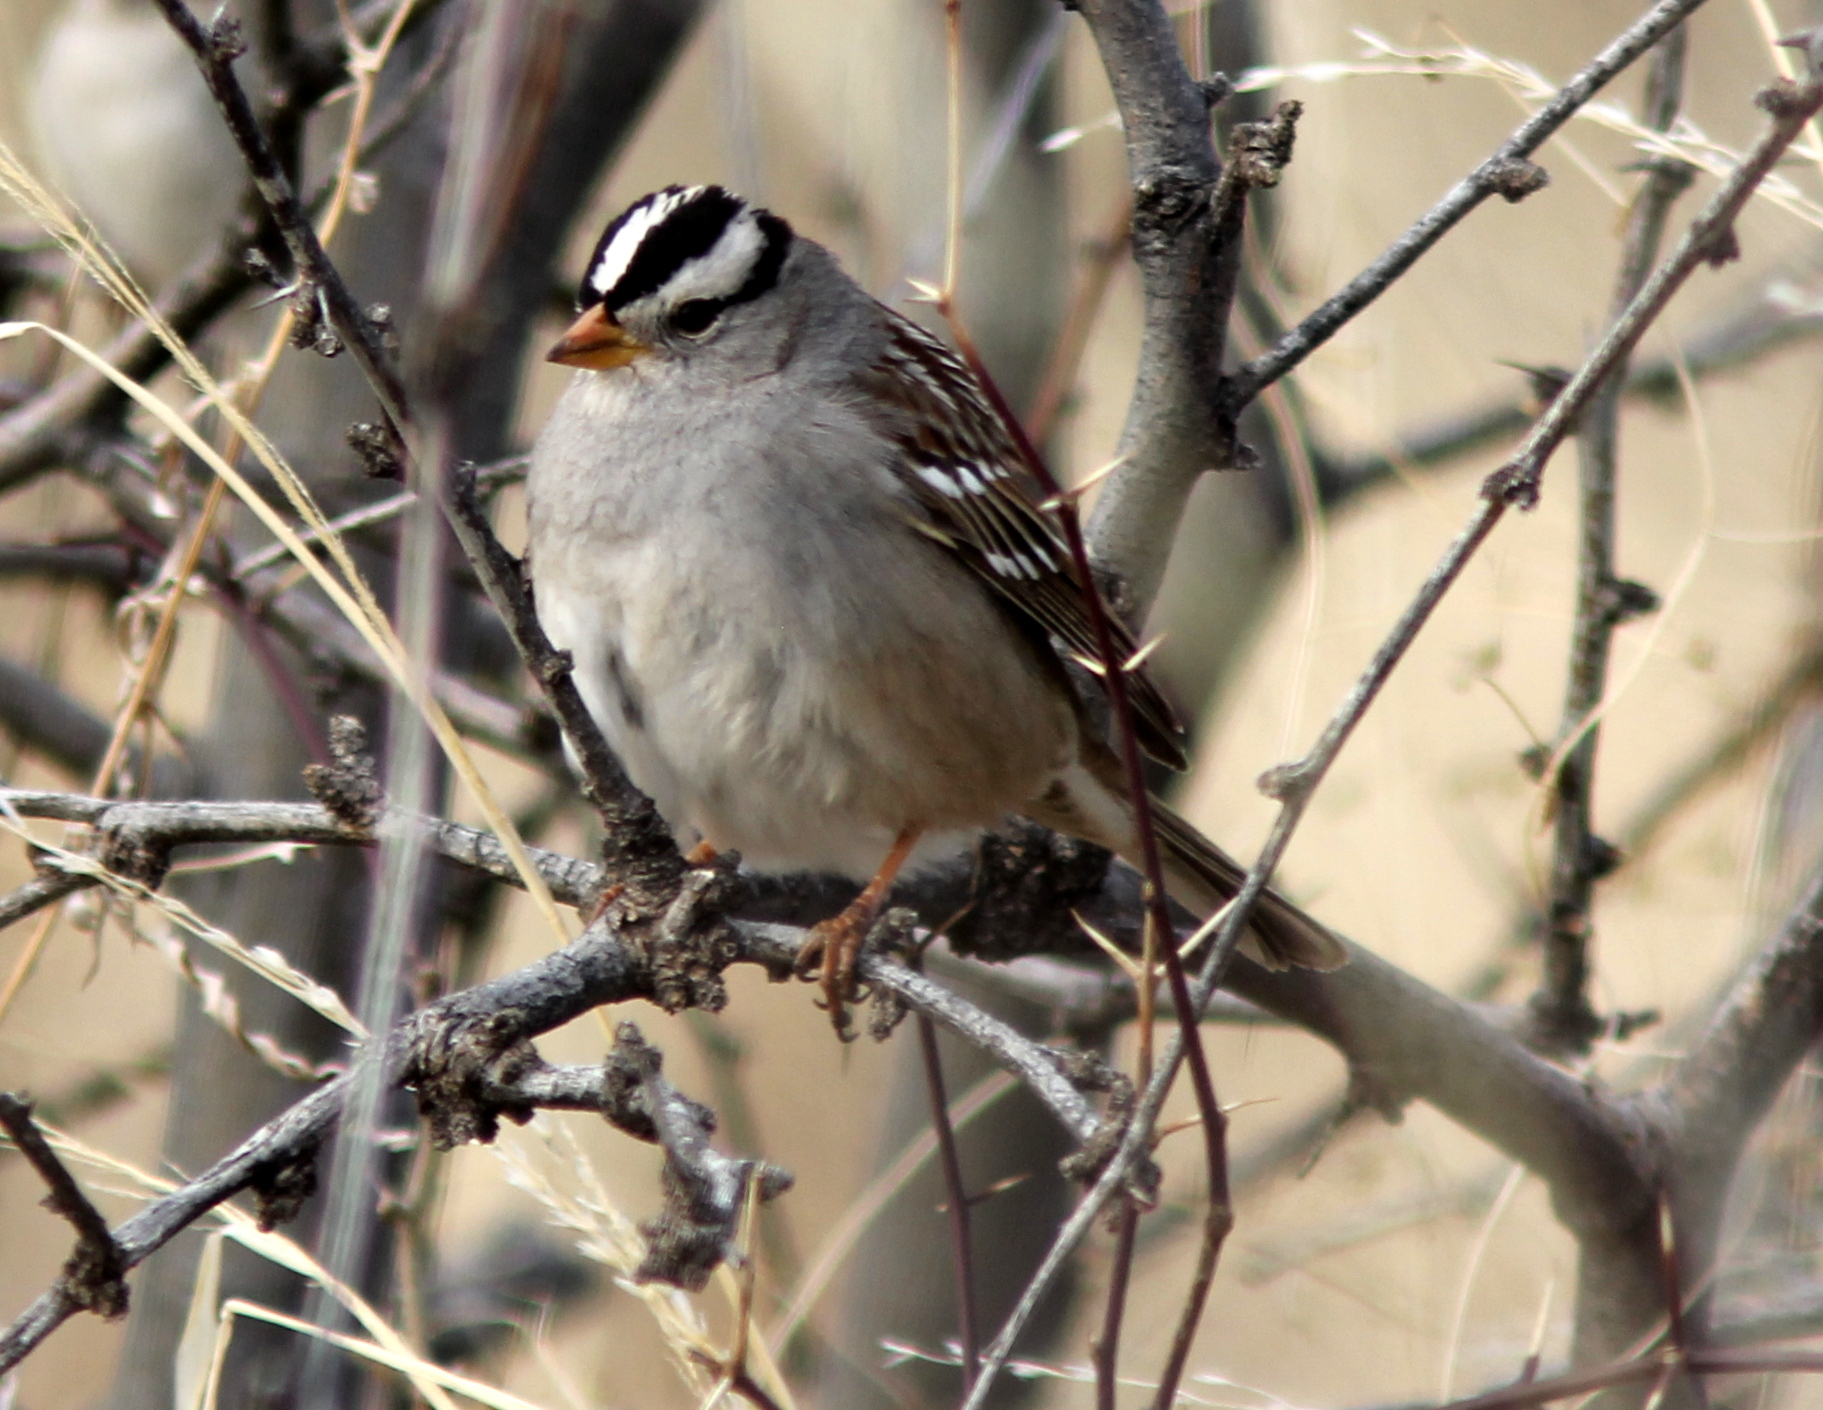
596, 341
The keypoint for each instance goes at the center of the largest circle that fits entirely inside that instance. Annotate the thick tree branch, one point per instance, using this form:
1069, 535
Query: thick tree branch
1189, 270
1515, 483
1729, 1077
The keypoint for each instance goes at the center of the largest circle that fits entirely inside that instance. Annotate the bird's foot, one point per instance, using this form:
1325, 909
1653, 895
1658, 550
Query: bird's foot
829, 953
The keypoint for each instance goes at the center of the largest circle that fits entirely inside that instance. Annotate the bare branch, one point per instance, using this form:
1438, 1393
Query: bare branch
966, 1322
1762, 1031
1508, 173
1561, 1008
214, 48
1709, 240
1189, 272
1765, 323
639, 847
704, 1189
467, 1056
1515, 483
36, 894
1106, 1347
93, 1277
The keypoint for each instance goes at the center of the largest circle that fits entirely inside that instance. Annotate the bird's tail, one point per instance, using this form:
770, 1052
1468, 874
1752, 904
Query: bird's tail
1089, 801
1203, 877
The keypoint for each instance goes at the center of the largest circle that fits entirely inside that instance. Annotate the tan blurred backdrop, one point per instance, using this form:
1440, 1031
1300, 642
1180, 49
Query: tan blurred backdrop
1351, 1285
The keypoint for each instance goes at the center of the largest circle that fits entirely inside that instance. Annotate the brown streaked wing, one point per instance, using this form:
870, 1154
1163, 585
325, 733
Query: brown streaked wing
981, 503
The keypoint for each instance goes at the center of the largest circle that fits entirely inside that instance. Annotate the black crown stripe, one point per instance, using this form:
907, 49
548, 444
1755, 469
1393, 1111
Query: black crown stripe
588, 294
686, 233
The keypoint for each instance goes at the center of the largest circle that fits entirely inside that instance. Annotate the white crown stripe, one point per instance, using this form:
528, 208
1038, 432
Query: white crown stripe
619, 254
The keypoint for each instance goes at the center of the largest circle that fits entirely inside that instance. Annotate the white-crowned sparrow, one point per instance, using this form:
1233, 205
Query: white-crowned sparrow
128, 130
811, 594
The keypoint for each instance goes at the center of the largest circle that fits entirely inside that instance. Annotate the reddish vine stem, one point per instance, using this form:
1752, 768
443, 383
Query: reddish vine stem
967, 1325
1218, 1220
1107, 1345
1127, 738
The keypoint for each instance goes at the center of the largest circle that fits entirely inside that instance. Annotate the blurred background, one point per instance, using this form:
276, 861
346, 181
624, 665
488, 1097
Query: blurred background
1372, 1262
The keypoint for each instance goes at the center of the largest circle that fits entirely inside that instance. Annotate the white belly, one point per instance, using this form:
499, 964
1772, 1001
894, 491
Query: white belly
801, 693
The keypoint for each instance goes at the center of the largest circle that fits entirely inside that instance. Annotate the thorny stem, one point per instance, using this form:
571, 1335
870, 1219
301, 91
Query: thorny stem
1564, 1018
1709, 240
959, 1206
1495, 176
1126, 736
1188, 1040
1218, 1221
1107, 1345
1293, 784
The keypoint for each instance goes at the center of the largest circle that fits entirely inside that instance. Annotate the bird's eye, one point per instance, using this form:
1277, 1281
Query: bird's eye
695, 316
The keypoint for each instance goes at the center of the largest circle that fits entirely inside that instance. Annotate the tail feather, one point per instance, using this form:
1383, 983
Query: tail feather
1089, 801
1203, 877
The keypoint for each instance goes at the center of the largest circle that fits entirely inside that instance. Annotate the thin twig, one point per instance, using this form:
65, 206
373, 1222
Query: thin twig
1709, 240
214, 48
94, 1276
1227, 217
967, 1325
1218, 1222
39, 892
1120, 1271
1292, 784
1126, 737
1507, 173
1564, 1017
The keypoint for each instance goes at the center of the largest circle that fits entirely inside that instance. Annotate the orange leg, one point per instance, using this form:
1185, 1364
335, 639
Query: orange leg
837, 941
701, 855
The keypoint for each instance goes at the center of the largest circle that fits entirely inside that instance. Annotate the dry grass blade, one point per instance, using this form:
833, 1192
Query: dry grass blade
267, 963
350, 591
865, 1207
607, 1236
202, 1348
428, 1378
277, 1249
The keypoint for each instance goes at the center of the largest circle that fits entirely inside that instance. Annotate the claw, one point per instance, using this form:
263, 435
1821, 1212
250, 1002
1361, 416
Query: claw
836, 943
